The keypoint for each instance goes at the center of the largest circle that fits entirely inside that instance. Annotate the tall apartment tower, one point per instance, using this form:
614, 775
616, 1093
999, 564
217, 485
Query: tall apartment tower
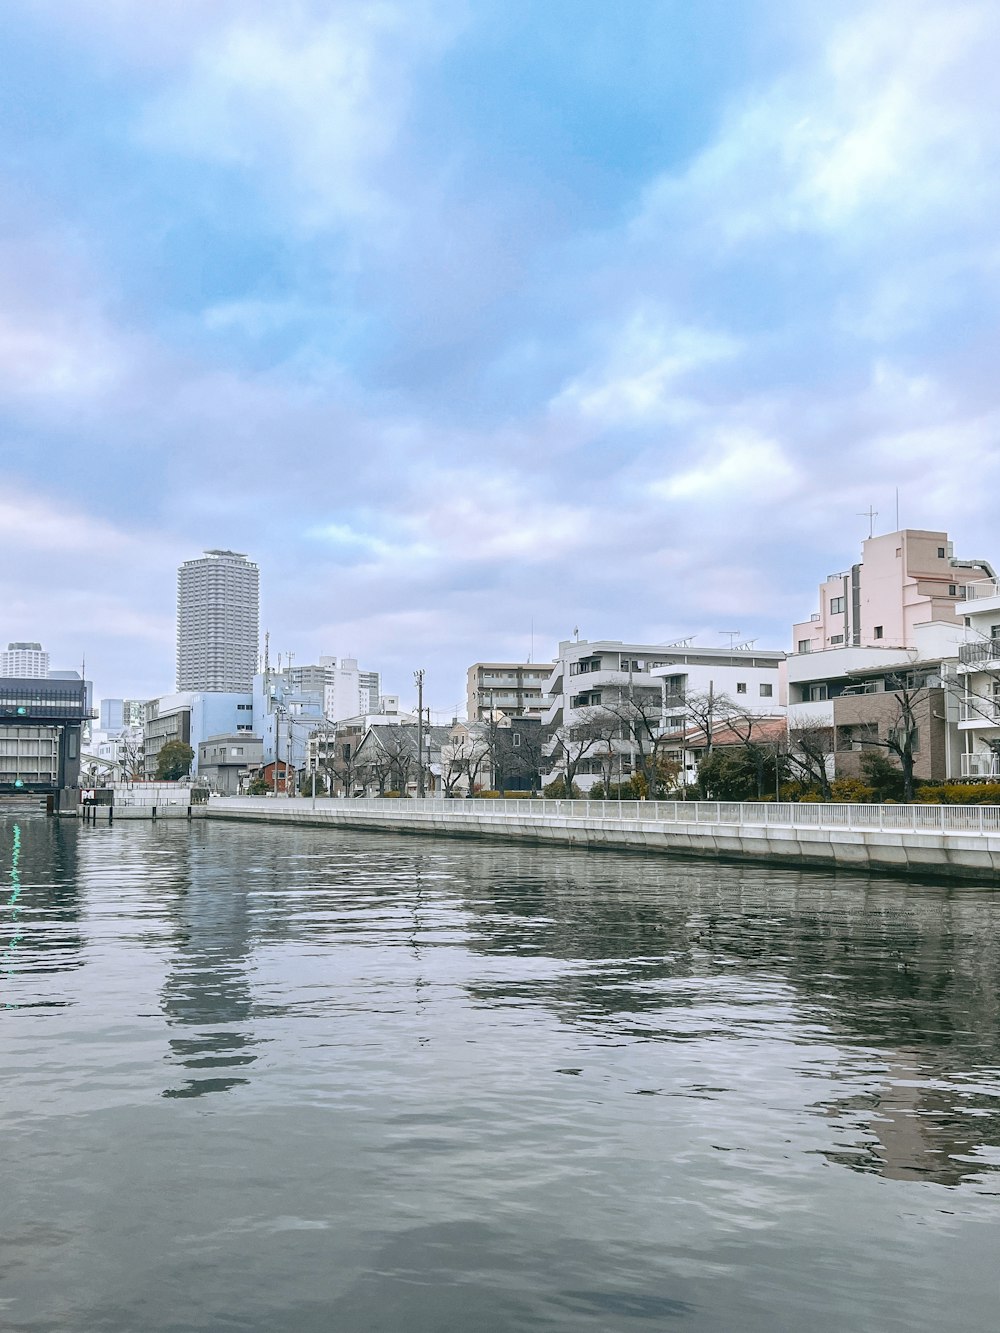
218, 623
24, 660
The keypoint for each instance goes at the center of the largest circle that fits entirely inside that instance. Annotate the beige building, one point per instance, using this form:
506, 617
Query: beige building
512, 688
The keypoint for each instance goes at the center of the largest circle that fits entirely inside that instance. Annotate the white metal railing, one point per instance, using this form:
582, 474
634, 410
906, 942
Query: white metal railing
985, 588
778, 814
984, 711
981, 764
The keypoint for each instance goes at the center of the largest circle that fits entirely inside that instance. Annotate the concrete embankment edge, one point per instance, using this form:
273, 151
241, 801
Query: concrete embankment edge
972, 858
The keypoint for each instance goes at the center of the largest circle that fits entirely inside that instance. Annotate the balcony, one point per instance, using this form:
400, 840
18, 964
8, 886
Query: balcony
977, 592
979, 712
981, 764
979, 653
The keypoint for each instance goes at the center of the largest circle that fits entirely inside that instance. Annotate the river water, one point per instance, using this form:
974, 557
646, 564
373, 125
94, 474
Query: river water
288, 1080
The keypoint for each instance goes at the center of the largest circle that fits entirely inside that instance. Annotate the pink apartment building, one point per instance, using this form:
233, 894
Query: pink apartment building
903, 579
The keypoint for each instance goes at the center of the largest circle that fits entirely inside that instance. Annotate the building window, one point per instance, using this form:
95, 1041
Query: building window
817, 693
836, 606
805, 645
940, 552
515, 740
836, 638
878, 631
741, 687
952, 590
766, 691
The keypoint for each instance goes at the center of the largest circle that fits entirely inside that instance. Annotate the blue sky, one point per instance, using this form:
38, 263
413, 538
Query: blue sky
463, 316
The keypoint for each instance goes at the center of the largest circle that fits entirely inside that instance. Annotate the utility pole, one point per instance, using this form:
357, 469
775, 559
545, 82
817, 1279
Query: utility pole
418, 676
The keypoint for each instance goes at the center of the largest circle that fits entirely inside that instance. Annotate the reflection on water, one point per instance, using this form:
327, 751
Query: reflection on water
206, 995
358, 1081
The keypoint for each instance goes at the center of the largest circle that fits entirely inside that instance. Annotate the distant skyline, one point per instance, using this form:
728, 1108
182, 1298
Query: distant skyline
462, 318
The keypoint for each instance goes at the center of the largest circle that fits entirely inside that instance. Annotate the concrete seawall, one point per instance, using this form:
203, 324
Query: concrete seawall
940, 842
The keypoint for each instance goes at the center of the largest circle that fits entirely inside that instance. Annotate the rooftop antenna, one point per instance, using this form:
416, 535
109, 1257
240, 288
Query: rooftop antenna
871, 515
576, 633
531, 650
897, 508
732, 635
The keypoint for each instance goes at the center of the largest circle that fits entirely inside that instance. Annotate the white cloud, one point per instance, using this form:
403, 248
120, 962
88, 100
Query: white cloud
637, 378
310, 100
736, 465
895, 121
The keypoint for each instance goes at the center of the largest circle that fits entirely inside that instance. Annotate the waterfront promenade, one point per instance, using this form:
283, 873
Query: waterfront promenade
947, 842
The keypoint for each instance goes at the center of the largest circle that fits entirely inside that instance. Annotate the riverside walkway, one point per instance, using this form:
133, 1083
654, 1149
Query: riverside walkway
938, 841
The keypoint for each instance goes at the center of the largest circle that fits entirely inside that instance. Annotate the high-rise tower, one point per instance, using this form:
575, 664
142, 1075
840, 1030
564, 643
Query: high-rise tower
218, 615
24, 659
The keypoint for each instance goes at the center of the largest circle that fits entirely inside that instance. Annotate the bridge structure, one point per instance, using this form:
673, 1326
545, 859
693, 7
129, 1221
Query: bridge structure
41, 735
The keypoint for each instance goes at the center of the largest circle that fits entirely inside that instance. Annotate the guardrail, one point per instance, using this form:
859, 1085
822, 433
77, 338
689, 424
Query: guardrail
778, 814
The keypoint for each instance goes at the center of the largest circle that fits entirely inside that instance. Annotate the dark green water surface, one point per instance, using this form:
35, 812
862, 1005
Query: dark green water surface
284, 1081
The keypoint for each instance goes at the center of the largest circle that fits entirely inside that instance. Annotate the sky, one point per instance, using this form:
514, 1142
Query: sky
476, 323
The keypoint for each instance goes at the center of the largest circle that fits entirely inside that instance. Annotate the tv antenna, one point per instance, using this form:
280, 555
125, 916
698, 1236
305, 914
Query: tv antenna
871, 515
732, 635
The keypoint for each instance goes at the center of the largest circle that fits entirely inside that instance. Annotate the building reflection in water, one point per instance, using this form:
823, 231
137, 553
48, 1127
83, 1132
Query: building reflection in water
41, 937
207, 996
900, 980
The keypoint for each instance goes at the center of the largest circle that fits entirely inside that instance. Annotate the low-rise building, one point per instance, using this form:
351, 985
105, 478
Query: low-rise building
224, 761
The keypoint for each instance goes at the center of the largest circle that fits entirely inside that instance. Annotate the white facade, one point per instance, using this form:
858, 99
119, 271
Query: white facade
28, 660
583, 671
218, 615
978, 675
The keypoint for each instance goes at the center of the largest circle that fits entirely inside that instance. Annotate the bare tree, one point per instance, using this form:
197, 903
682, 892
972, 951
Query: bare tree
704, 711
901, 738
809, 749
746, 727
573, 741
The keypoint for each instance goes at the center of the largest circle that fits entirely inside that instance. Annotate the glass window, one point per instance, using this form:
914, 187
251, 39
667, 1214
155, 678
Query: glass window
878, 631
766, 691
741, 687
836, 606
805, 645
940, 552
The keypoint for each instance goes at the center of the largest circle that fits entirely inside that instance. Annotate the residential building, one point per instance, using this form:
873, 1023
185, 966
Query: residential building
978, 675
224, 761
386, 759
894, 618
904, 579
498, 754
593, 675
515, 688
704, 688
332, 750
218, 612
26, 661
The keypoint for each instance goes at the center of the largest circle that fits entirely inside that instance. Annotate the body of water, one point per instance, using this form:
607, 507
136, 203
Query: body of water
286, 1080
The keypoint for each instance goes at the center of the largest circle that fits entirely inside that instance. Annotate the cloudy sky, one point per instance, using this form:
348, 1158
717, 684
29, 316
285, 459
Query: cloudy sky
461, 316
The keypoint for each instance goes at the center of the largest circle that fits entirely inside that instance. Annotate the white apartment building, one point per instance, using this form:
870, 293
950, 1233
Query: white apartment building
747, 679
27, 660
515, 689
978, 675
218, 618
347, 690
587, 674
